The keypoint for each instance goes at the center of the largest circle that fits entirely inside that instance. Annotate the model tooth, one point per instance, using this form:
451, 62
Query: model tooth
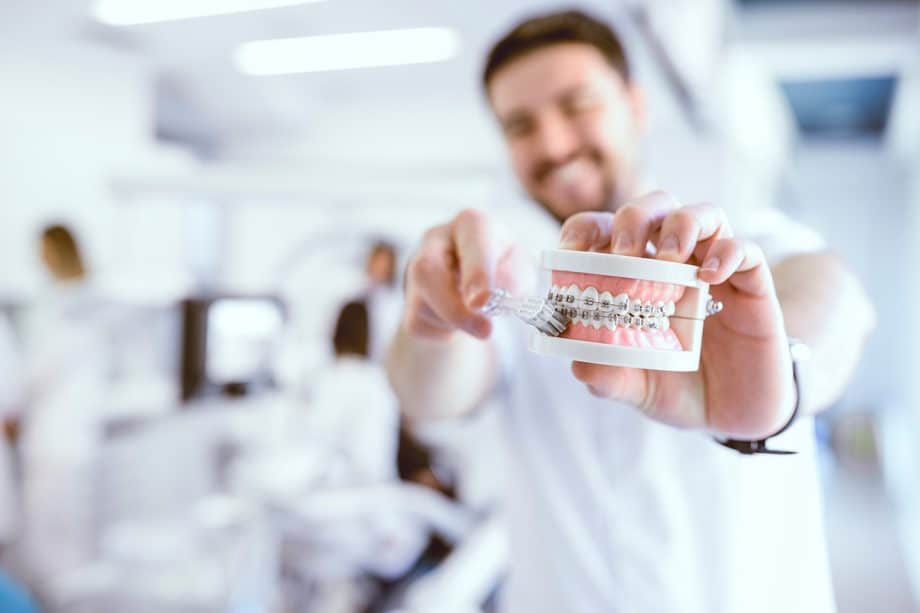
669, 309
572, 293
658, 311
610, 320
626, 320
605, 302
621, 304
589, 299
595, 319
635, 307
664, 323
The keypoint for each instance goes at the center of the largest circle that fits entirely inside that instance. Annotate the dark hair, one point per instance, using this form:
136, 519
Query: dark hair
383, 245
554, 29
68, 263
351, 330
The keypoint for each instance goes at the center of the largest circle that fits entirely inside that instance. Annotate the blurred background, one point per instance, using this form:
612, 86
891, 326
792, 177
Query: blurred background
181, 433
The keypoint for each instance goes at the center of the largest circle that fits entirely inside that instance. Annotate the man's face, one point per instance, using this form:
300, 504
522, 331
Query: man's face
572, 126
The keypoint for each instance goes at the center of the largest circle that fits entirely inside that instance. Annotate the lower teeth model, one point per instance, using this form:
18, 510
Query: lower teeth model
626, 311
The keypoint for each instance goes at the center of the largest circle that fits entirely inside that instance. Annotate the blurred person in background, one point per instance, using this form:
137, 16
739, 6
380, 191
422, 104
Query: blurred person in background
620, 498
67, 367
353, 404
10, 409
382, 296
354, 410
12, 598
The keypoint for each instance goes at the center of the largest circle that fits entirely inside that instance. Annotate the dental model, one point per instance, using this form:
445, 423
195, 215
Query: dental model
625, 311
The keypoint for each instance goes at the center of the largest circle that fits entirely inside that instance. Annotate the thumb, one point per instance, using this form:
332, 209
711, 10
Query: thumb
628, 385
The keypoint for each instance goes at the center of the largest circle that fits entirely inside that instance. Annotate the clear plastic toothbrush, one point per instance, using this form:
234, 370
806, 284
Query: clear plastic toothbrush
537, 312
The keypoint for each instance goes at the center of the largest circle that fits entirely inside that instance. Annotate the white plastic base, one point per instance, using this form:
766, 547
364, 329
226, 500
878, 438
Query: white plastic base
615, 355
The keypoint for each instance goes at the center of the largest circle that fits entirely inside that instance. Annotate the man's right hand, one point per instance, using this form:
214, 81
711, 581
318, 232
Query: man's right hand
452, 273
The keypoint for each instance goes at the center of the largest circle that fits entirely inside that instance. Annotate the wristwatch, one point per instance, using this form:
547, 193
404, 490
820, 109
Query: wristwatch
799, 352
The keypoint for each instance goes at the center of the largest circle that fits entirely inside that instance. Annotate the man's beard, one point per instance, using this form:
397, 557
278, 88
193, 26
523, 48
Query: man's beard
613, 195
608, 202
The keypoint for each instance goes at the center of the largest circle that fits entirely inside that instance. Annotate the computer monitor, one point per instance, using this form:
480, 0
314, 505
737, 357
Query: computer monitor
227, 343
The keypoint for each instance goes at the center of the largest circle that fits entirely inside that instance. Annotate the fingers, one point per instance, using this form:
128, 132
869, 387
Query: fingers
587, 232
475, 245
453, 273
636, 221
683, 230
610, 382
435, 306
740, 262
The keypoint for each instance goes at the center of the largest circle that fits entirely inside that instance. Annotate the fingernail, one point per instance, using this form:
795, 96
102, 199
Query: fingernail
568, 242
475, 296
478, 328
712, 264
596, 391
623, 243
668, 246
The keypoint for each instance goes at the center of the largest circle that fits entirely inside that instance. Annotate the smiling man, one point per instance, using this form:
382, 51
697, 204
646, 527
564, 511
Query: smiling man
621, 498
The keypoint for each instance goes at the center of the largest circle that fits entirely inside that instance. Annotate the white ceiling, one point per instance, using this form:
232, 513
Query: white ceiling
202, 98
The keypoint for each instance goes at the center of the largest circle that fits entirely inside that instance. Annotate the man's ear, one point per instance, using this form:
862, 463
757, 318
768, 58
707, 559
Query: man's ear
638, 107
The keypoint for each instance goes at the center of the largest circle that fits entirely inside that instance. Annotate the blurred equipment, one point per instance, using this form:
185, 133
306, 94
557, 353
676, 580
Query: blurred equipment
227, 343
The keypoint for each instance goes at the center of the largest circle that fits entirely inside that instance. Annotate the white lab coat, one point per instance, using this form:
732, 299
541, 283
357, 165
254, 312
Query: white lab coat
67, 371
384, 307
10, 401
610, 511
355, 411
353, 408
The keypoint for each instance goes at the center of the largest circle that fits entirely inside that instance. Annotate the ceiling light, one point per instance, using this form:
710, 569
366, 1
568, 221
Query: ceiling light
344, 51
133, 12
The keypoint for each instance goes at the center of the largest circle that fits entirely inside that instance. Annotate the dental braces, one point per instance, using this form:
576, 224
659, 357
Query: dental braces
614, 320
590, 300
619, 310
605, 309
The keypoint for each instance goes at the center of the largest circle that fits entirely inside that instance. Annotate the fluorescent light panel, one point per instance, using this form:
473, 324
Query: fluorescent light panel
346, 51
133, 12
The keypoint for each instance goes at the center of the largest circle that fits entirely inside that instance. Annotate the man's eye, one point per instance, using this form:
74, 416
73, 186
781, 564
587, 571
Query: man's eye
581, 103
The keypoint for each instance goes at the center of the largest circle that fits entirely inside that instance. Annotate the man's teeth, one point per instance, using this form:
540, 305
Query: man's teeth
570, 172
592, 308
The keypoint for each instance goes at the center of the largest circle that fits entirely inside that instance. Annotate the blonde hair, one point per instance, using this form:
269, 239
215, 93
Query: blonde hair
65, 262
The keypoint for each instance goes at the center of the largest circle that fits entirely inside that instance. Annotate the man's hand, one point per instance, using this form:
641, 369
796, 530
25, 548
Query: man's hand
452, 273
435, 372
744, 385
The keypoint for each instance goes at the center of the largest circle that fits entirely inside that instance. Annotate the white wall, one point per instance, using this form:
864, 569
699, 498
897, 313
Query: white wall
857, 197
71, 114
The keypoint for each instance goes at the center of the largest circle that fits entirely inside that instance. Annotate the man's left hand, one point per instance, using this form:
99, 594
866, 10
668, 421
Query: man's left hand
744, 386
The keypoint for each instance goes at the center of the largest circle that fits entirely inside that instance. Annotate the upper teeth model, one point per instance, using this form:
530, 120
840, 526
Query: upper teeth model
626, 311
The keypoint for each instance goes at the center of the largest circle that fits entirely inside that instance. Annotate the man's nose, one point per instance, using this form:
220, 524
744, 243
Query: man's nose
556, 140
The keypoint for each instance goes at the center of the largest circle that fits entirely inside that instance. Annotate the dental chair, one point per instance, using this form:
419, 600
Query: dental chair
335, 534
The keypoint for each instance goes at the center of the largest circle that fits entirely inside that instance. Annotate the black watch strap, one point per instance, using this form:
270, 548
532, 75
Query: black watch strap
760, 446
